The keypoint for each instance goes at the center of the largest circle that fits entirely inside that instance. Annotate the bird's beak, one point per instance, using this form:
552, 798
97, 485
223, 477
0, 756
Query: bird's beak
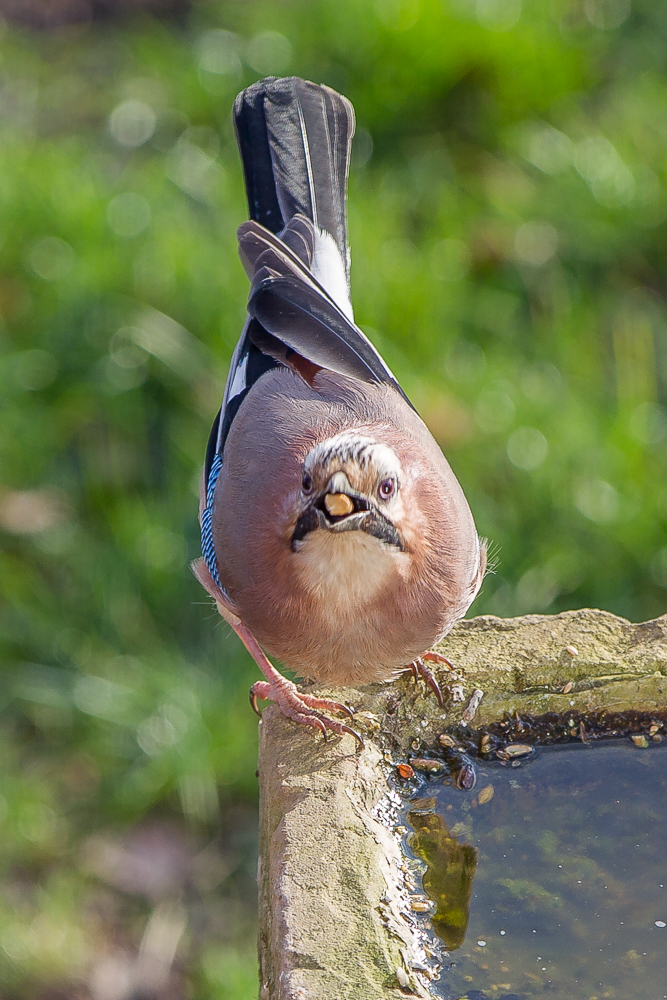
338, 511
342, 510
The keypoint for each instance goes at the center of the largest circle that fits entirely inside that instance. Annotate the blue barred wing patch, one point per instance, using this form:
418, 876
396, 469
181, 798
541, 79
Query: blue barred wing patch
207, 546
247, 367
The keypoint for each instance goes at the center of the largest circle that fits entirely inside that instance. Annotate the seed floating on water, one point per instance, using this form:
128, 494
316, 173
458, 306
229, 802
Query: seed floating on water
420, 905
338, 504
518, 750
405, 771
485, 795
640, 741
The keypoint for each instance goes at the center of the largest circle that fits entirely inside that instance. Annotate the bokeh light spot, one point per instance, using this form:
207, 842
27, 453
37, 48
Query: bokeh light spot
535, 243
27, 512
648, 423
18, 941
494, 410
51, 258
218, 53
399, 15
466, 362
498, 15
547, 149
100, 697
269, 52
599, 163
155, 734
597, 500
124, 350
194, 171
132, 123
607, 14
128, 214
37, 822
527, 448
536, 589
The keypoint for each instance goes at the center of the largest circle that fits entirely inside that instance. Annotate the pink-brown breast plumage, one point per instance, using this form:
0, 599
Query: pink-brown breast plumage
345, 609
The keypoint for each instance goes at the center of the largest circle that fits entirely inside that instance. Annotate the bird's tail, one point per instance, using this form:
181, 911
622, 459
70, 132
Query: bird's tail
294, 138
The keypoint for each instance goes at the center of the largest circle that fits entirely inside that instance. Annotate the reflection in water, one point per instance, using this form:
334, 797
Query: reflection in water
449, 877
570, 875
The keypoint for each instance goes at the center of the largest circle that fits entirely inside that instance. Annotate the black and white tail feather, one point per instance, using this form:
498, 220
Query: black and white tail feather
294, 138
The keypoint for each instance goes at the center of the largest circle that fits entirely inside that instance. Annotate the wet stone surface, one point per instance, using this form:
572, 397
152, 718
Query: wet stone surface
549, 878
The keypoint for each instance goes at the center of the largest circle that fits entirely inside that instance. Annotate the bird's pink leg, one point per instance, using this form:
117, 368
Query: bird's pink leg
419, 669
302, 708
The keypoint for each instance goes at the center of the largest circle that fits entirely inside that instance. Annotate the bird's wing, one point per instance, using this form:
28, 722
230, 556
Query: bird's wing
291, 305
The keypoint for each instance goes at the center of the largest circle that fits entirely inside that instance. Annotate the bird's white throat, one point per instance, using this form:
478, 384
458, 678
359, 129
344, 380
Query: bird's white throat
346, 569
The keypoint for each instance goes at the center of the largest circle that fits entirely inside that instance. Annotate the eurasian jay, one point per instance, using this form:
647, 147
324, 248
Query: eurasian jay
335, 536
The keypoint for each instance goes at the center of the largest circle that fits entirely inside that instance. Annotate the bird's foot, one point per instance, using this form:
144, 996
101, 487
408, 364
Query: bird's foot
302, 708
419, 669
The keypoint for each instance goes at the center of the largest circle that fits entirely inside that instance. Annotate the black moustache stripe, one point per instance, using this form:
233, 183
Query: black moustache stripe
381, 528
309, 521
373, 524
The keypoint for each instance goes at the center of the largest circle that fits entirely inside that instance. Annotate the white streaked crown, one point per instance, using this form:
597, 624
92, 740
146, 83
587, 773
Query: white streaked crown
350, 451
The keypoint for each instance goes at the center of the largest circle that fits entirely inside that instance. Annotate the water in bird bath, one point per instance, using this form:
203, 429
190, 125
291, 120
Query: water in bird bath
549, 879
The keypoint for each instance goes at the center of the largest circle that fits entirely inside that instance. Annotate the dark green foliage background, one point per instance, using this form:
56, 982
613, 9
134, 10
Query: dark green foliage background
508, 258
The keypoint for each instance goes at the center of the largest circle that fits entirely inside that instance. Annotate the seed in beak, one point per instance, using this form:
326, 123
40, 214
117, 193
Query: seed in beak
338, 504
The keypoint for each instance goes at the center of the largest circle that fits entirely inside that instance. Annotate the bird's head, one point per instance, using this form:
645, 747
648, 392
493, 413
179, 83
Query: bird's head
350, 482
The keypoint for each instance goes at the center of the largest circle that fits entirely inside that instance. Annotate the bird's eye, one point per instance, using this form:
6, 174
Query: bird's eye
386, 489
307, 483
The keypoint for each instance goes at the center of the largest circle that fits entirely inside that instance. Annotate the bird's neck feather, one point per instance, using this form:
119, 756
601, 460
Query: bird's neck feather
346, 569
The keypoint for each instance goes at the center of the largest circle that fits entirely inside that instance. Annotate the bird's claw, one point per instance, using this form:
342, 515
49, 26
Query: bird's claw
434, 657
253, 702
353, 732
345, 709
304, 708
319, 723
419, 669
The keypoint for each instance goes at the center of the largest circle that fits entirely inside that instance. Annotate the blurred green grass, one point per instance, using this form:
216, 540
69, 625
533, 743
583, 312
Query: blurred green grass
507, 221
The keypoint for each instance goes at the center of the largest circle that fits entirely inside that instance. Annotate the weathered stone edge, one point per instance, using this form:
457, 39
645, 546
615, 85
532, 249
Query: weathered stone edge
334, 915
